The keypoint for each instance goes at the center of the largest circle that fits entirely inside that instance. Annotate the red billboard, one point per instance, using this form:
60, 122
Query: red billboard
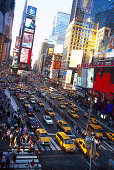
27, 40
25, 55
56, 65
104, 79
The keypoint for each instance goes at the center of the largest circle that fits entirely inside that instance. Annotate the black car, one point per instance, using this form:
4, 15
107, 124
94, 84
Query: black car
36, 107
32, 122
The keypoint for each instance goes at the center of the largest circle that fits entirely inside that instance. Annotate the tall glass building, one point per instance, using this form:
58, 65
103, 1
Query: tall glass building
60, 25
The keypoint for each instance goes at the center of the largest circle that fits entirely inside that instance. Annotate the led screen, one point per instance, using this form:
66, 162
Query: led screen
25, 55
29, 25
27, 40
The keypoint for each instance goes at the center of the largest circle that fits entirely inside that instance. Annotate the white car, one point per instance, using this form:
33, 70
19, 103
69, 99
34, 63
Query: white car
48, 120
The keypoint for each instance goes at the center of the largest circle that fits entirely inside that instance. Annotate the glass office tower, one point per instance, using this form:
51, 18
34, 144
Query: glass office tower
60, 25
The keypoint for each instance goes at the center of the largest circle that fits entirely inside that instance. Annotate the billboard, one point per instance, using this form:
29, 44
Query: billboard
29, 25
58, 49
68, 76
104, 79
56, 65
31, 11
75, 81
17, 43
76, 58
27, 40
25, 55
90, 77
84, 78
1, 22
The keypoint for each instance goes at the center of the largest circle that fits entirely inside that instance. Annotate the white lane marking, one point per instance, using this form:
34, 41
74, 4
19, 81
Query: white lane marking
103, 147
53, 134
108, 145
47, 148
54, 143
52, 147
39, 121
106, 126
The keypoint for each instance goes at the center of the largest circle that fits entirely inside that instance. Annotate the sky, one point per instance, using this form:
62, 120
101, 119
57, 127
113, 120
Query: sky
46, 11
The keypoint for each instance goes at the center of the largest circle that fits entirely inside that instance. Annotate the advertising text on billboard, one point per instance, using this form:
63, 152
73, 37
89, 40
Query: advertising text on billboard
27, 40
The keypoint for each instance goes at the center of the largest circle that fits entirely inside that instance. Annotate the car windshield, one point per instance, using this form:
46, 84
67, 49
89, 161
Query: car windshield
64, 125
43, 135
49, 110
33, 121
68, 141
98, 131
48, 118
31, 110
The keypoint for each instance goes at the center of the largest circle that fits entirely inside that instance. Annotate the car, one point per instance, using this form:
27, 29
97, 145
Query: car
64, 126
65, 102
36, 107
30, 111
32, 100
110, 135
43, 136
32, 122
74, 108
48, 120
87, 115
85, 148
73, 114
26, 103
96, 130
65, 142
49, 111
40, 103
71, 103
61, 98
20, 97
62, 105
52, 97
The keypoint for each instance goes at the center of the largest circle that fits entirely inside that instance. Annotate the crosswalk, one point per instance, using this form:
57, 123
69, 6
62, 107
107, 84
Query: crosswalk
24, 157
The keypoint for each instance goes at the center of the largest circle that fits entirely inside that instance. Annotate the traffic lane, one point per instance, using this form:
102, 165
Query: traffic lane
49, 128
60, 160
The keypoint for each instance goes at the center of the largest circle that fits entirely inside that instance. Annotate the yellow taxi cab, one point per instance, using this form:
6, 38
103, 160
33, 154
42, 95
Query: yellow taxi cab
26, 103
64, 126
65, 142
74, 108
96, 129
87, 115
85, 149
65, 103
110, 135
61, 98
49, 111
73, 114
43, 136
40, 103
52, 97
62, 105
71, 103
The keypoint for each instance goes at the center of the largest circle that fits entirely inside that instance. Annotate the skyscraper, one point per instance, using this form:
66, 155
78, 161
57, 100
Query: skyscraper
60, 25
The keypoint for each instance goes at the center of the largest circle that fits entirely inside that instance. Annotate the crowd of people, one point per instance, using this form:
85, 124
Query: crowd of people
15, 133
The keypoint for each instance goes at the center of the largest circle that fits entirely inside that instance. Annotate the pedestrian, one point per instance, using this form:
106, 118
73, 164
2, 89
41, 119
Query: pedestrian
110, 121
39, 142
7, 156
36, 167
14, 157
28, 166
3, 162
32, 163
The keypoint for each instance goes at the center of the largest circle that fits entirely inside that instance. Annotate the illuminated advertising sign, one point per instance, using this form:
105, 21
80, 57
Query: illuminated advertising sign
29, 25
31, 11
104, 79
50, 51
68, 76
17, 43
84, 78
75, 81
76, 58
27, 40
56, 65
25, 55
90, 77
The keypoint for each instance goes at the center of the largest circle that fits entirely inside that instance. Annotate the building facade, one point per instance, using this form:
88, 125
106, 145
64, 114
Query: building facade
60, 25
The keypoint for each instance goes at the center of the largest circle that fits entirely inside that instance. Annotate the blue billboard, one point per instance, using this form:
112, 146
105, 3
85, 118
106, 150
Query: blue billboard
31, 11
